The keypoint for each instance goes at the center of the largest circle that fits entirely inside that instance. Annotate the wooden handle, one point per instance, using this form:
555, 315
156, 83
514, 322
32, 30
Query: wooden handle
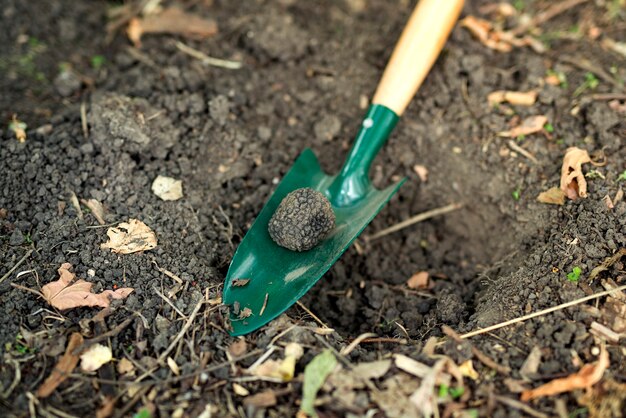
417, 50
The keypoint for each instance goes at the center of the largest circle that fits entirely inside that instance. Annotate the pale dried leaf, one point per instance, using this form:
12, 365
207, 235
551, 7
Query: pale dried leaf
95, 357
530, 125
573, 181
125, 366
520, 98
66, 365
421, 171
172, 21
418, 369
167, 188
531, 364
608, 202
238, 348
515, 386
96, 209
552, 196
605, 332
294, 350
419, 280
63, 295
467, 370
171, 363
130, 237
372, 370
425, 397
586, 377
240, 390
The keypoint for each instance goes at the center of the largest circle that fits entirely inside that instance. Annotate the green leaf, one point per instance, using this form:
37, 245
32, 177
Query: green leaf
315, 374
443, 390
143, 413
457, 392
575, 274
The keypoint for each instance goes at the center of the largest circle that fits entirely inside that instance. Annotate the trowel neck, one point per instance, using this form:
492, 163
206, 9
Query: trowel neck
352, 182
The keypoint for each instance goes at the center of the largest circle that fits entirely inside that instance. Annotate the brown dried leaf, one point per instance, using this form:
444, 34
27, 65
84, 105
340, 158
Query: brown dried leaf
261, 400
245, 313
573, 181
419, 280
172, 21
130, 237
421, 171
63, 295
528, 126
240, 282
96, 209
66, 365
520, 98
552, 196
586, 377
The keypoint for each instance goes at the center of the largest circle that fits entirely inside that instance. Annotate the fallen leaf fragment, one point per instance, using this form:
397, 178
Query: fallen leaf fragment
107, 408
552, 196
315, 374
284, 369
125, 366
66, 365
240, 282
498, 40
261, 400
419, 280
130, 237
421, 171
530, 125
573, 181
63, 295
606, 263
531, 364
245, 313
240, 390
167, 188
95, 357
425, 397
520, 98
172, 21
418, 369
19, 129
467, 370
586, 377
171, 363
238, 348
96, 209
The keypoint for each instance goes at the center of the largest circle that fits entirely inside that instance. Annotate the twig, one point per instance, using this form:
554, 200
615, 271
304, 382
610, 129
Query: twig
484, 358
28, 289
83, 119
169, 302
319, 321
401, 341
168, 273
102, 337
520, 406
586, 65
541, 313
550, 13
267, 295
606, 96
358, 340
522, 151
21, 260
182, 332
215, 62
415, 219
16, 379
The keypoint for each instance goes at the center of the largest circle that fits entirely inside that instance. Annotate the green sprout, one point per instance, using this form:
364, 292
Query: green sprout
97, 61
519, 5
574, 275
456, 393
591, 82
517, 193
559, 76
595, 174
549, 128
622, 177
520, 137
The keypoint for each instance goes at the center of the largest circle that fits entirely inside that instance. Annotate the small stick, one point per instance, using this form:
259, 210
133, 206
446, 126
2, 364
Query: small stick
401, 341
550, 13
83, 119
542, 312
484, 358
515, 404
182, 332
319, 321
112, 333
19, 263
215, 62
415, 219
168, 273
522, 151
169, 302
358, 340
267, 295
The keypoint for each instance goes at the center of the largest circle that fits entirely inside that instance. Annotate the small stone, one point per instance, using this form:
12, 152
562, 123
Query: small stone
17, 238
302, 220
67, 83
327, 128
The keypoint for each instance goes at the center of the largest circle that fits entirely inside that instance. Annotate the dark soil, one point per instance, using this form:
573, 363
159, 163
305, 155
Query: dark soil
230, 135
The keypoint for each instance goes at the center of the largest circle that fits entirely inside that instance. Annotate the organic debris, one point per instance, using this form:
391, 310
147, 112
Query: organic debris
520, 98
130, 237
587, 376
240, 282
95, 357
552, 196
66, 365
96, 209
421, 171
503, 41
261, 400
606, 399
238, 348
315, 374
419, 280
245, 313
573, 181
125, 366
63, 295
19, 129
172, 21
607, 263
167, 188
528, 126
281, 370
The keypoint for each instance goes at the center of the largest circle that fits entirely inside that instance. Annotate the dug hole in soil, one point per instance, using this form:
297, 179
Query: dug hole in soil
230, 135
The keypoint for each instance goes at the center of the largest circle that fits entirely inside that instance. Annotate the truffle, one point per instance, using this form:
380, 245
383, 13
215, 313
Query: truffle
302, 220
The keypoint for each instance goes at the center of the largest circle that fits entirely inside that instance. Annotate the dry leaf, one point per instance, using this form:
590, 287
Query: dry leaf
125, 366
245, 313
528, 126
586, 377
19, 129
552, 196
238, 348
261, 400
66, 365
95, 357
281, 370
425, 397
172, 21
421, 171
531, 364
419, 280
418, 369
130, 237
240, 282
167, 188
495, 39
467, 369
171, 363
573, 181
520, 98
240, 390
96, 209
107, 408
63, 295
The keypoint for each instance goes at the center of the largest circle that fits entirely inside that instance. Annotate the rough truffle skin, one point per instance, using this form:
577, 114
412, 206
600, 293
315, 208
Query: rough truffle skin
302, 220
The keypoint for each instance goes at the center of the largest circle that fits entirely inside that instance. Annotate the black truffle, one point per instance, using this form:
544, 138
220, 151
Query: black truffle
302, 220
